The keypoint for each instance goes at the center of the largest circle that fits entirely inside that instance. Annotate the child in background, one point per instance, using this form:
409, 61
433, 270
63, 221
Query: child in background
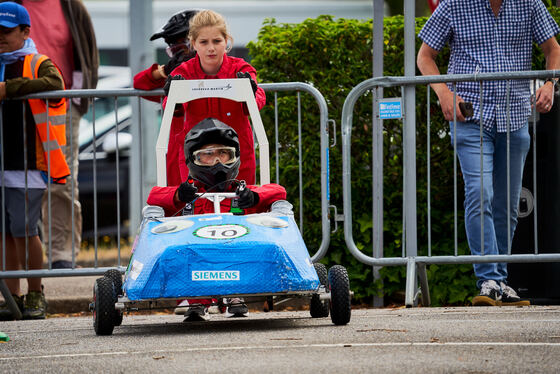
174, 33
22, 72
209, 37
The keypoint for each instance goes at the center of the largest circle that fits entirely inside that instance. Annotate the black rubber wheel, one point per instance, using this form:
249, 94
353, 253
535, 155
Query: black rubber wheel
320, 308
103, 306
115, 276
340, 295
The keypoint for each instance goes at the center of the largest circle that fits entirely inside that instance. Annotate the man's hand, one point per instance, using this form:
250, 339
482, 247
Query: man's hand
426, 61
446, 103
245, 74
186, 192
247, 198
544, 97
168, 82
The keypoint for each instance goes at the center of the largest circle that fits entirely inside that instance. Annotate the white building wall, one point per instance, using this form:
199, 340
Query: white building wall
244, 17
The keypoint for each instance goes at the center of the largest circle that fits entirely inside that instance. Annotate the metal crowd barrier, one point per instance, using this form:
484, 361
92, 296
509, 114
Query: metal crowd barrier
416, 264
136, 95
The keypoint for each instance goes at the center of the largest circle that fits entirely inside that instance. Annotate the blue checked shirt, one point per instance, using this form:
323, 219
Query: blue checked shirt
480, 42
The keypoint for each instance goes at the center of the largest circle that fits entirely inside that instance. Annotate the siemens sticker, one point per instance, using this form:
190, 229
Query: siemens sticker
215, 275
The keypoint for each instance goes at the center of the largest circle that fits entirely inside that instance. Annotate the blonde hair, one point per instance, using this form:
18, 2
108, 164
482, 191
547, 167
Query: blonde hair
209, 18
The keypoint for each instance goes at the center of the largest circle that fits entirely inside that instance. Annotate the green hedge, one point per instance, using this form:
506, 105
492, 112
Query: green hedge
334, 56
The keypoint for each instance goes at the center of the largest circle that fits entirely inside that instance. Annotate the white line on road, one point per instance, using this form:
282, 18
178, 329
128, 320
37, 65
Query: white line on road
299, 346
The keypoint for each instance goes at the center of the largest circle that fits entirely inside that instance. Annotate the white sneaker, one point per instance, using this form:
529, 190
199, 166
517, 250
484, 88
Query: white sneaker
182, 308
490, 294
510, 297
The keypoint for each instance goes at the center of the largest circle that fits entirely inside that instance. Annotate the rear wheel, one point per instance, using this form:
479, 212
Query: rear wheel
340, 295
115, 276
320, 308
103, 306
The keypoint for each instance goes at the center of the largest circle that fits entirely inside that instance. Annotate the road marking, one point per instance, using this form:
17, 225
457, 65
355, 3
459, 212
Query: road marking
295, 346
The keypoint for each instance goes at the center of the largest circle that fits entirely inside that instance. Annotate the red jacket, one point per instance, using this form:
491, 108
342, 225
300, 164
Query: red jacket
230, 112
144, 80
164, 197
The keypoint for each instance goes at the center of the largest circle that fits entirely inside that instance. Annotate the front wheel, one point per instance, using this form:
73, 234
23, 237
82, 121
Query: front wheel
103, 306
340, 295
115, 276
320, 308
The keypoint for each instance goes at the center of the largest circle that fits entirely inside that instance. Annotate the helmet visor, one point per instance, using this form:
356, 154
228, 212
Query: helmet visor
174, 48
211, 156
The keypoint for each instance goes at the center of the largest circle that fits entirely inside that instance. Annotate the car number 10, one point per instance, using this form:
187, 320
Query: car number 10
221, 232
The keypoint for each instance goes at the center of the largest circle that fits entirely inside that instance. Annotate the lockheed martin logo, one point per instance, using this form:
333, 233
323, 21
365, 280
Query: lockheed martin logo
201, 87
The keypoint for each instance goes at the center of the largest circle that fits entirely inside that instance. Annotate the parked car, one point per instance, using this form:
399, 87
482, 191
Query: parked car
97, 174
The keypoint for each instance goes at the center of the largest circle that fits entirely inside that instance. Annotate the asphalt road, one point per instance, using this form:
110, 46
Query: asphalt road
430, 340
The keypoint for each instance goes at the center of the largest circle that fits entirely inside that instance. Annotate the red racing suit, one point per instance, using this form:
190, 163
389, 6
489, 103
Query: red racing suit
144, 80
232, 113
164, 197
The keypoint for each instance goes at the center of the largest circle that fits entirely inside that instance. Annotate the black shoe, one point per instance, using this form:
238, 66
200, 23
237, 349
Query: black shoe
196, 313
490, 294
5, 312
510, 297
61, 264
237, 308
35, 305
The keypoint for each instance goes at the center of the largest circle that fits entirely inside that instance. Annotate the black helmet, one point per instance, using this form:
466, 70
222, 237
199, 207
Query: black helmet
177, 27
212, 131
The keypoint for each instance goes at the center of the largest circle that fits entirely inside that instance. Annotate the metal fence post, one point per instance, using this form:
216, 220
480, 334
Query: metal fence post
377, 131
142, 163
410, 139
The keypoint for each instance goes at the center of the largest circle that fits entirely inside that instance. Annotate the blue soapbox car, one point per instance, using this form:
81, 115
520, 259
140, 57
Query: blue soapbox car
218, 255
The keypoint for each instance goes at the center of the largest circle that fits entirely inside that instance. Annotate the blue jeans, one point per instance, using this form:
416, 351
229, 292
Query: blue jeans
495, 180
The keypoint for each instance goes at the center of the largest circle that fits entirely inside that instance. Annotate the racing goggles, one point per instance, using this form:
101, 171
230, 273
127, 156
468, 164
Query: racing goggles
174, 48
210, 156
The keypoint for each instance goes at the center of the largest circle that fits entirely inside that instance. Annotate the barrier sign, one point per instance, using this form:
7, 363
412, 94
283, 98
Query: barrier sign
390, 108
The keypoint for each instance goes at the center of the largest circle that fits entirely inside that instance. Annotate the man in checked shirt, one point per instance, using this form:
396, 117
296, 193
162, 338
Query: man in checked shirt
487, 36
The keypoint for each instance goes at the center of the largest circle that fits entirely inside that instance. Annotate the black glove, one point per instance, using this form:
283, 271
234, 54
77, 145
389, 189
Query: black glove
176, 60
245, 74
187, 192
247, 198
168, 82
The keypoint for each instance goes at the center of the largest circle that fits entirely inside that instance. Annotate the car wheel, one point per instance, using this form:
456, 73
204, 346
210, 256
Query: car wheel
339, 285
115, 276
320, 308
103, 306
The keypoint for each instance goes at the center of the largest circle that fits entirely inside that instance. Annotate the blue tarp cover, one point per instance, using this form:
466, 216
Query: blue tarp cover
218, 255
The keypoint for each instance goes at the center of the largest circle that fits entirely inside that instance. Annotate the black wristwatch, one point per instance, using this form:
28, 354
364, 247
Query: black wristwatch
554, 83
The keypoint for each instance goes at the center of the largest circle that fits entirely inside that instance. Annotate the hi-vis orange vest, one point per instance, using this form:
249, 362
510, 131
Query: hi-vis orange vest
51, 137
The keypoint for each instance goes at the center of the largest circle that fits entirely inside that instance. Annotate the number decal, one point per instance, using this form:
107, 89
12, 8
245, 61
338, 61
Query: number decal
222, 232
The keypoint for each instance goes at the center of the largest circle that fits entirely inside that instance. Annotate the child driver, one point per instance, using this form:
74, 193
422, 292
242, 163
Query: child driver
212, 156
